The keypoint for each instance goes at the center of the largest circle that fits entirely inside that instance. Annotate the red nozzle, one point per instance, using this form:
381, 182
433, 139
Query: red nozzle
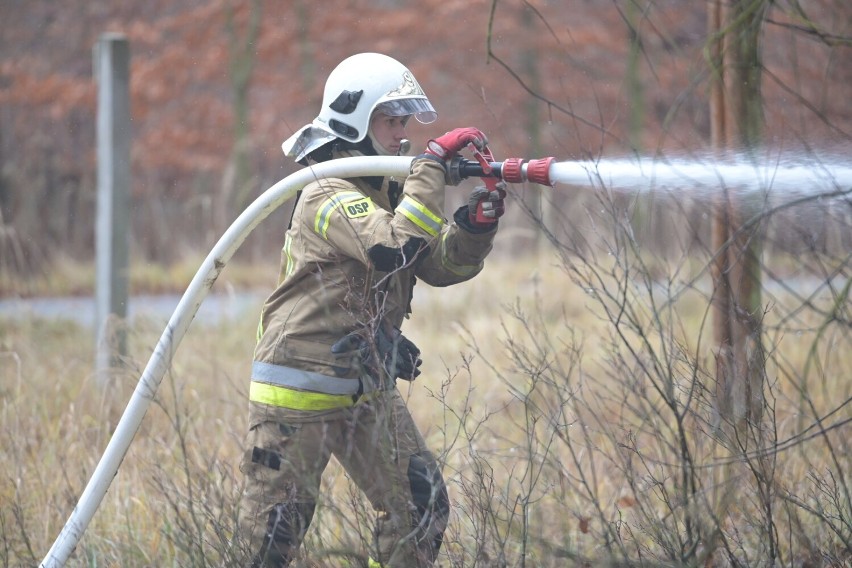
538, 171
511, 170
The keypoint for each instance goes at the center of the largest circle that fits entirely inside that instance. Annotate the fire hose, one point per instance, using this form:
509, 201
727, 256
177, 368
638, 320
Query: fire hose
514, 170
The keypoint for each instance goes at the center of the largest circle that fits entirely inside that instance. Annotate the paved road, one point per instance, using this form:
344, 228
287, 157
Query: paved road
214, 309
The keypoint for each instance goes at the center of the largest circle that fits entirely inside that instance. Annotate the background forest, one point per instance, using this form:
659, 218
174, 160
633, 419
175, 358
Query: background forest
623, 385
218, 85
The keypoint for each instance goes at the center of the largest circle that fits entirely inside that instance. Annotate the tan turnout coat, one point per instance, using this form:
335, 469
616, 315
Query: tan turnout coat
329, 285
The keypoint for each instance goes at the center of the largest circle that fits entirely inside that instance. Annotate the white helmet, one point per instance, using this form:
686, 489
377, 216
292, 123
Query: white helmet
359, 85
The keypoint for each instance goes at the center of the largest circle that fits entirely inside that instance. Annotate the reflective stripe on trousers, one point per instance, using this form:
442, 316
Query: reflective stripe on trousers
296, 389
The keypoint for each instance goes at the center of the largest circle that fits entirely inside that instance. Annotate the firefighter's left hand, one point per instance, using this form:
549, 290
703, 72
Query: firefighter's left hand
493, 203
445, 147
400, 356
393, 355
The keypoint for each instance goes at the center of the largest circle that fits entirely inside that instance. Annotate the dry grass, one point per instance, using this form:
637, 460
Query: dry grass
556, 446
71, 277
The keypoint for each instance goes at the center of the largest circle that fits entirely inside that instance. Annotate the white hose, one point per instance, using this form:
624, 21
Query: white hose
198, 288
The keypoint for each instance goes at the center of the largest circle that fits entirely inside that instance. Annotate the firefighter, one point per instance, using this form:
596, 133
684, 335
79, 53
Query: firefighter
330, 348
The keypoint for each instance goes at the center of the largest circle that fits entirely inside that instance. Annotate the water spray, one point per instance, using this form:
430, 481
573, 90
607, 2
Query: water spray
632, 175
698, 178
782, 177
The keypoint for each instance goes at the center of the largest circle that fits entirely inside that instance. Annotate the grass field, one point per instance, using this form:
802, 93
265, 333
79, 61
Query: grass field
571, 404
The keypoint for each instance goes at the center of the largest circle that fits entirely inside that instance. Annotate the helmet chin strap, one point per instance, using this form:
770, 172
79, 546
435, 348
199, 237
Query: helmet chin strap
404, 146
380, 150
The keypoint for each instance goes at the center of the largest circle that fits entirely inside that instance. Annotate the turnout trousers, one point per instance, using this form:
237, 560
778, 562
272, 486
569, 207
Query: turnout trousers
382, 451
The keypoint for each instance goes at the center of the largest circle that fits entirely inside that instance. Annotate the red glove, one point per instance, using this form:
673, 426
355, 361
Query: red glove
447, 145
485, 206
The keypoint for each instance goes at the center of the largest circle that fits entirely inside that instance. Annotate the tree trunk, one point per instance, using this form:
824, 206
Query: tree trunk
237, 178
539, 198
736, 125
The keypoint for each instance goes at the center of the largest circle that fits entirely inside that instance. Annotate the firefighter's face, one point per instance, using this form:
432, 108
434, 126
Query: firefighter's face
388, 131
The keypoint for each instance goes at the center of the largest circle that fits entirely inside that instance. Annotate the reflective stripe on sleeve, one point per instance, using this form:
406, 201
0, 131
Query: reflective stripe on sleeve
282, 376
420, 215
323, 218
288, 243
260, 325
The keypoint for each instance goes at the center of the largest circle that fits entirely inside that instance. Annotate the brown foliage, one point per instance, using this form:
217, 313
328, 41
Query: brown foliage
181, 100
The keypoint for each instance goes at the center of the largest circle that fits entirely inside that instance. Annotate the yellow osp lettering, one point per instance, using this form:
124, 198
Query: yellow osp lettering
358, 208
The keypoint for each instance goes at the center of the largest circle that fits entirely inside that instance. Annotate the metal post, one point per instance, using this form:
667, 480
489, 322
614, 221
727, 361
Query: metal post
112, 73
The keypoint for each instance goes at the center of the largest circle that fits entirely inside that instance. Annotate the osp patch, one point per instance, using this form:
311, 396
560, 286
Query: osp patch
359, 208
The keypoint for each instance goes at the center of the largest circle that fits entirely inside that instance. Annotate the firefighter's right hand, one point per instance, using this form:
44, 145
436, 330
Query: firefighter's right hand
485, 206
446, 146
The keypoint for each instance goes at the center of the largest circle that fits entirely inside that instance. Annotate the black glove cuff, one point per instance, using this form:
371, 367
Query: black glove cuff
429, 156
462, 219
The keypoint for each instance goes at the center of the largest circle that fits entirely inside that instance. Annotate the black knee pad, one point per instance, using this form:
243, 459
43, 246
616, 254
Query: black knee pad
429, 494
285, 529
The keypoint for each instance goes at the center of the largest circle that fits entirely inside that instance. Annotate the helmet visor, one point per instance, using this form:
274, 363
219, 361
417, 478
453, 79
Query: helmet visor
421, 108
